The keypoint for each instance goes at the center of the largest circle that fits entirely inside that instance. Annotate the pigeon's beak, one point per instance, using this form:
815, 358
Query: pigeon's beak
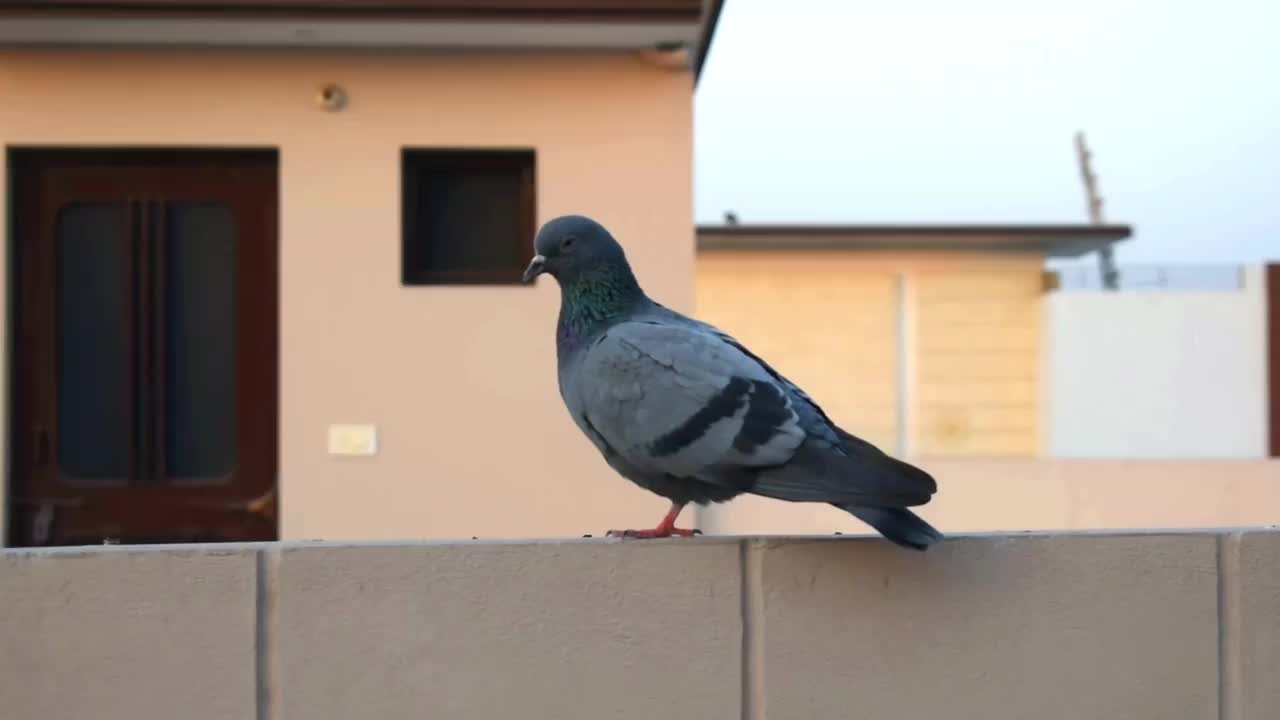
536, 267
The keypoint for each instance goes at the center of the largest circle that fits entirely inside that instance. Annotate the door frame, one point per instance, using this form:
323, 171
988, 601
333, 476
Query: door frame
18, 159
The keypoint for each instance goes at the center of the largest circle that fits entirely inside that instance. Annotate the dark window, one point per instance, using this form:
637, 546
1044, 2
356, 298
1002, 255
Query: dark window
468, 216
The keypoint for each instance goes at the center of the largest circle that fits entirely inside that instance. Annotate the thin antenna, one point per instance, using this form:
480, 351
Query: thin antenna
1106, 259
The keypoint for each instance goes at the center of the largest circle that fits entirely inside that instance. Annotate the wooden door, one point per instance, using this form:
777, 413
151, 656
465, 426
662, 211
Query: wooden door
144, 403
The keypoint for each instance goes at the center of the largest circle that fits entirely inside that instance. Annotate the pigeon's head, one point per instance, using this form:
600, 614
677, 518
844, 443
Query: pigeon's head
569, 246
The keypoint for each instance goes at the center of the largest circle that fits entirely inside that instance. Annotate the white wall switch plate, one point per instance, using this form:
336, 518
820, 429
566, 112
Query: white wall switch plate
353, 440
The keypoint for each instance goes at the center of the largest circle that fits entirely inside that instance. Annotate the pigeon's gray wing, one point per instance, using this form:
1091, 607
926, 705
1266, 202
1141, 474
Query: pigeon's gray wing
684, 400
677, 400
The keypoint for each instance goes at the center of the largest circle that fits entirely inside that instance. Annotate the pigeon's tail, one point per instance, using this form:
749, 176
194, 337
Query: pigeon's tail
899, 525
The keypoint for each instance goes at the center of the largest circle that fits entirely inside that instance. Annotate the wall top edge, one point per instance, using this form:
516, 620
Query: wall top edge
753, 540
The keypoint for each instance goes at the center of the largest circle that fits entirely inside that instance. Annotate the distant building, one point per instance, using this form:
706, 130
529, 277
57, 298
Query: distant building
927, 340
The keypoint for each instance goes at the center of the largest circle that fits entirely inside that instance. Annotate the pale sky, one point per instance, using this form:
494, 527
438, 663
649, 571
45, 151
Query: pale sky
946, 111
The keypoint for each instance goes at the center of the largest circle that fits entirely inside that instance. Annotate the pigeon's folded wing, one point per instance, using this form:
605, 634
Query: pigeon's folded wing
680, 400
687, 401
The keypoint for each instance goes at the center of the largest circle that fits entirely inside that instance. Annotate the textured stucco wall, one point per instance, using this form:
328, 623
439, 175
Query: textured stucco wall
1138, 626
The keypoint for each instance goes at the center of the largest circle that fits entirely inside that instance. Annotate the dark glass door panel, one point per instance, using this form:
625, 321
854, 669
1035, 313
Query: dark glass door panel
145, 335
94, 410
201, 339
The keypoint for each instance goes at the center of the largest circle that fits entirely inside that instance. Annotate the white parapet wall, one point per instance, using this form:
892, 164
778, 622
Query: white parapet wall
1158, 374
1159, 626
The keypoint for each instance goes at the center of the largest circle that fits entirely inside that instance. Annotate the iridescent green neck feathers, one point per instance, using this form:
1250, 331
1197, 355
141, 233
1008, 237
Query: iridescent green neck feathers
594, 301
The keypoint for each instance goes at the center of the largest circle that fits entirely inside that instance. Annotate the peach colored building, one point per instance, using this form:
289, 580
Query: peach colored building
261, 279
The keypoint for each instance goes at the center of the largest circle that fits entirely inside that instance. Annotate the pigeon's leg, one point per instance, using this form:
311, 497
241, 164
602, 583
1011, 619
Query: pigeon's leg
666, 528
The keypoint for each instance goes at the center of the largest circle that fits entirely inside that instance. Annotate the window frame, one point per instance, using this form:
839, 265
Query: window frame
416, 160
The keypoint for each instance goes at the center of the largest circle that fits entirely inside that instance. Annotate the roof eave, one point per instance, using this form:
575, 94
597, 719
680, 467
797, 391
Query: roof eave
683, 10
710, 21
388, 24
1049, 240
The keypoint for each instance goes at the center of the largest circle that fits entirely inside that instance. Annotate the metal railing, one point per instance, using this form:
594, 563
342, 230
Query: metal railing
1155, 277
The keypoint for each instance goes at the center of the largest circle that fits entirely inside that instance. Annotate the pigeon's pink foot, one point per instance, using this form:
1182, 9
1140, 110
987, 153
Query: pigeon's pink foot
658, 532
666, 528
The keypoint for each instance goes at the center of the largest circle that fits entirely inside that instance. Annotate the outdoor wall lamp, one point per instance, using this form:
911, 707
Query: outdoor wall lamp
331, 97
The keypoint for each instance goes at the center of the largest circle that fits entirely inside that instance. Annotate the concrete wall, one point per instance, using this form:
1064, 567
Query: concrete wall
1158, 374
1156, 626
919, 352
459, 381
997, 495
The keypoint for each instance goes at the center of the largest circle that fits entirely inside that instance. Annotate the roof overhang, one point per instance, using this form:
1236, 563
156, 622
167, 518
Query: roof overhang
673, 32
1049, 240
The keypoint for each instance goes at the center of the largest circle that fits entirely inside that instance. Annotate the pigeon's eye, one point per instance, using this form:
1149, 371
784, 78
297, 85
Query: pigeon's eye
567, 243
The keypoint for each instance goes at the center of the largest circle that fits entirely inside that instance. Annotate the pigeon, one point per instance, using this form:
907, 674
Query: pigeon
684, 410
